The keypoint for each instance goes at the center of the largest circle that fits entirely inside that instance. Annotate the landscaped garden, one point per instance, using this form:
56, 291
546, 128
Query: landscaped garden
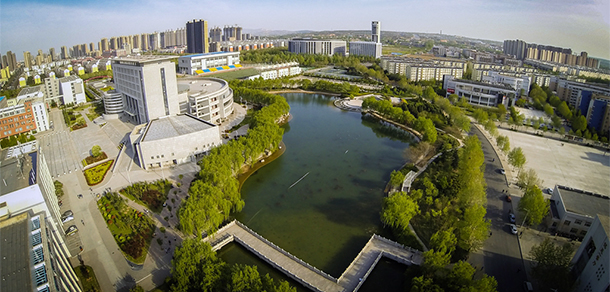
87, 279
73, 119
96, 155
149, 194
131, 229
96, 174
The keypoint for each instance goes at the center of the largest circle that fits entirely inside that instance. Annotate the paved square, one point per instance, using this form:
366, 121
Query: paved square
569, 165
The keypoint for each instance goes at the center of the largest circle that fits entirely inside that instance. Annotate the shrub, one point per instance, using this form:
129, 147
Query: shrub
95, 175
162, 229
159, 241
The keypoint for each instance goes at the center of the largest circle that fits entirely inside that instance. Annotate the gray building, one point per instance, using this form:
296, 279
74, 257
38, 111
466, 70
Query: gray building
209, 99
372, 49
479, 93
376, 32
197, 36
573, 210
590, 263
319, 47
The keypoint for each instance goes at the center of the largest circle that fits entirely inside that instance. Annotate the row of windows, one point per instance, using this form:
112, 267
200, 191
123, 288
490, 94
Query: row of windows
577, 221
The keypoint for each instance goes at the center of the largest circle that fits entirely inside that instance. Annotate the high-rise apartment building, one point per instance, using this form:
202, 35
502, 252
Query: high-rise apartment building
104, 43
238, 33
12, 60
144, 42
64, 53
376, 32
148, 85
197, 36
216, 34
113, 43
517, 48
27, 59
52, 54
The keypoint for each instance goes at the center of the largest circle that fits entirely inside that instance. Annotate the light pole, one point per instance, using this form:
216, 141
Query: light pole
527, 212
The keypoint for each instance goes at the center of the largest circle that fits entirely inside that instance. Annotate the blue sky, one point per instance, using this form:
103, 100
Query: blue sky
582, 25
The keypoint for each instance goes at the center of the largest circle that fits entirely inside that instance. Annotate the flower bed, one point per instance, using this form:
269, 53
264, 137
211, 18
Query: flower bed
90, 159
96, 174
149, 194
131, 229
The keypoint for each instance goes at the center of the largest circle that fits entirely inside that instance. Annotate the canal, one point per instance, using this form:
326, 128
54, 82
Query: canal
321, 199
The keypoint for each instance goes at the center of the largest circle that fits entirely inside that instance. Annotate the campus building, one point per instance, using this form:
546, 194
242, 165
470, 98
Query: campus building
319, 47
372, 49
148, 85
17, 119
173, 140
573, 210
596, 108
209, 99
113, 103
571, 91
65, 90
277, 71
30, 224
519, 82
479, 93
590, 263
416, 69
209, 62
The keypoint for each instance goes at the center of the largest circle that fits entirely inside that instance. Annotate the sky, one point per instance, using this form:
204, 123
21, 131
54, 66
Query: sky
582, 25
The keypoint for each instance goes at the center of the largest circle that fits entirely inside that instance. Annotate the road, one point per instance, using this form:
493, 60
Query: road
500, 256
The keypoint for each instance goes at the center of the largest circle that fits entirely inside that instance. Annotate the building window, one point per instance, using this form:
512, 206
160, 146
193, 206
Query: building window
567, 222
583, 232
152, 157
573, 230
578, 221
587, 223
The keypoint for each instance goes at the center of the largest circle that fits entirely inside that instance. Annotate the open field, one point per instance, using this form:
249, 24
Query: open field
235, 74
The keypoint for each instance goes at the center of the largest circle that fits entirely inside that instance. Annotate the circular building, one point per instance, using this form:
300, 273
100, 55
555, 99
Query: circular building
209, 99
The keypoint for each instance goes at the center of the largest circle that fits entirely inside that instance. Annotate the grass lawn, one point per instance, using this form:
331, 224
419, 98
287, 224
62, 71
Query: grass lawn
87, 278
131, 229
151, 195
387, 49
236, 74
96, 174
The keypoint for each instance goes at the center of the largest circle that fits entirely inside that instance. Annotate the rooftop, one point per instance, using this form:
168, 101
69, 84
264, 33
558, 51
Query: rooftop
15, 264
583, 202
202, 85
142, 59
174, 126
29, 90
68, 78
14, 176
499, 86
605, 220
210, 54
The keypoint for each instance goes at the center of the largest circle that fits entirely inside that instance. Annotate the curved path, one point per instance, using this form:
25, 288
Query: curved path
351, 279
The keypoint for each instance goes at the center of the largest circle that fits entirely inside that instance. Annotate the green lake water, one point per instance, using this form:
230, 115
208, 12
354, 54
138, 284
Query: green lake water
344, 162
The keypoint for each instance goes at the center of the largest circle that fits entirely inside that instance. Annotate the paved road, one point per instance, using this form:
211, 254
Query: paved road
500, 256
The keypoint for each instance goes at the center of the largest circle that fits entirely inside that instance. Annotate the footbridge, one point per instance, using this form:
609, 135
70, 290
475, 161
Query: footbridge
351, 279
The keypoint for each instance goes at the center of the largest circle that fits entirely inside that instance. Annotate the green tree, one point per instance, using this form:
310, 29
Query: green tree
516, 157
96, 151
534, 204
579, 123
396, 178
502, 141
564, 110
527, 179
473, 228
398, 209
490, 126
195, 267
552, 265
556, 121
470, 173
137, 288
424, 284
548, 109
442, 245
501, 112
426, 126
480, 116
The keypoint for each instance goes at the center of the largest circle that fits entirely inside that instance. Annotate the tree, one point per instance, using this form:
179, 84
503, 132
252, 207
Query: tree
473, 228
556, 121
195, 267
527, 179
424, 284
501, 111
502, 141
398, 209
516, 157
480, 116
442, 245
396, 178
96, 151
534, 204
548, 109
564, 110
137, 288
415, 153
579, 123
552, 265
490, 126
426, 126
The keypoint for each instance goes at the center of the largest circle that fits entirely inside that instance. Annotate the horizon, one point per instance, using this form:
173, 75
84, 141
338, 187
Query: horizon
578, 26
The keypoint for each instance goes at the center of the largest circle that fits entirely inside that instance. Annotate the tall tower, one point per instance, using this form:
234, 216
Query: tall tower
52, 53
27, 59
197, 36
376, 32
216, 34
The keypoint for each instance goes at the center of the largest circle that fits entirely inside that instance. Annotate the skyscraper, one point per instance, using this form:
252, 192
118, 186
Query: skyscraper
197, 36
52, 53
216, 34
12, 60
64, 53
27, 59
376, 32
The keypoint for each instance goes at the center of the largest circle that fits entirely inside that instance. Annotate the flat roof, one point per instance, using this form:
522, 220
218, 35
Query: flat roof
499, 86
141, 59
68, 78
203, 85
605, 220
583, 202
210, 54
174, 126
15, 249
13, 175
29, 90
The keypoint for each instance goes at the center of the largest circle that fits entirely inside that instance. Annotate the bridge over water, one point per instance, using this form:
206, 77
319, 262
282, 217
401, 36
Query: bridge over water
351, 279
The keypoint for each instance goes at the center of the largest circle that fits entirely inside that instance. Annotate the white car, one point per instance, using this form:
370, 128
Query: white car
67, 219
502, 171
549, 190
513, 229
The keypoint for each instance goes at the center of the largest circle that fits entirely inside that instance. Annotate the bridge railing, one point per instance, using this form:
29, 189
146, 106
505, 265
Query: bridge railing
368, 272
356, 258
396, 244
323, 274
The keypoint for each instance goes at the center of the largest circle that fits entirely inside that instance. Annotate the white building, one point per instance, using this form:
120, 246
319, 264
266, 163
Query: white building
148, 85
573, 211
319, 47
173, 140
277, 71
372, 49
591, 261
71, 89
518, 82
208, 62
41, 116
113, 103
416, 69
478, 93
209, 99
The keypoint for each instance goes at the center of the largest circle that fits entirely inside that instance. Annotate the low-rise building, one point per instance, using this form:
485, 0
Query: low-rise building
570, 91
208, 62
480, 93
519, 82
372, 49
572, 211
173, 140
17, 119
209, 99
277, 71
318, 47
590, 263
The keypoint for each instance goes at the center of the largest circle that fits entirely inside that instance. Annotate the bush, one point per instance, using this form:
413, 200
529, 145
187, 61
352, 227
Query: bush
59, 188
159, 241
162, 229
96, 174
149, 194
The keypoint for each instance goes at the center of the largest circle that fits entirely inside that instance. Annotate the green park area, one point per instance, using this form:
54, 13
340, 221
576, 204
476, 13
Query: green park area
131, 229
96, 174
87, 278
149, 194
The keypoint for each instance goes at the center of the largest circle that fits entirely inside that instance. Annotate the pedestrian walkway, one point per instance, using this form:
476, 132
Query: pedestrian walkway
351, 279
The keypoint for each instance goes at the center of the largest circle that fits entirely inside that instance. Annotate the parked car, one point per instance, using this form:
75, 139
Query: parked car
502, 171
513, 229
71, 230
66, 214
508, 198
511, 217
549, 191
67, 219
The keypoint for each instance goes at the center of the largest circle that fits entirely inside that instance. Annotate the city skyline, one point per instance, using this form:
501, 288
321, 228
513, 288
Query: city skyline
43, 24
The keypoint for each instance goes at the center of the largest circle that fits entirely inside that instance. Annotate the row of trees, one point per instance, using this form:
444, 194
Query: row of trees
195, 267
214, 193
282, 55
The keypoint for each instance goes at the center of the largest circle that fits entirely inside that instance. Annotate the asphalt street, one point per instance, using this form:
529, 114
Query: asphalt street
500, 256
